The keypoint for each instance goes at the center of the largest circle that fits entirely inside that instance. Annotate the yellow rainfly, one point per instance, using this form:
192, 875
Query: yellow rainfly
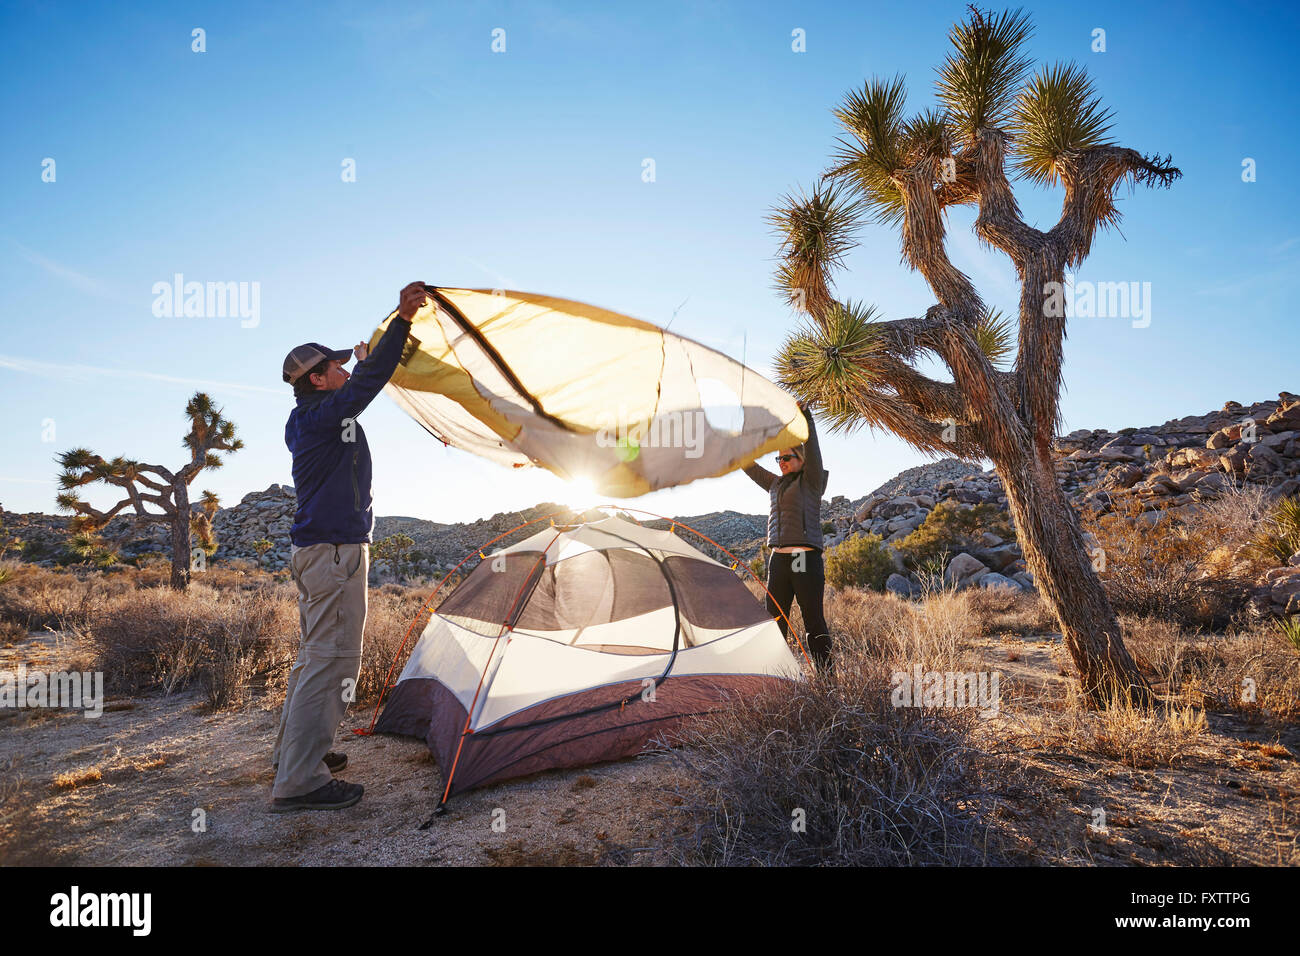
589, 394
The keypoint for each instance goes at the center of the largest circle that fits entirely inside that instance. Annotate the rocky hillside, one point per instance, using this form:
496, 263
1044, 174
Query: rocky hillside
1170, 468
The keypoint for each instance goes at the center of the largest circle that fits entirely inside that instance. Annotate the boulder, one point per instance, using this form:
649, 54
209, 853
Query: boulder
1224, 437
1285, 417
1284, 490
964, 570
1284, 586
897, 584
999, 558
1125, 476
1116, 454
995, 580
1235, 458
1199, 458
1211, 484
866, 508
1263, 460
895, 507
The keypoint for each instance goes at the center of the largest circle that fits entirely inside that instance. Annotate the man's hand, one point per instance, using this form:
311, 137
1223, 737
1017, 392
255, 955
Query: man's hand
361, 350
413, 299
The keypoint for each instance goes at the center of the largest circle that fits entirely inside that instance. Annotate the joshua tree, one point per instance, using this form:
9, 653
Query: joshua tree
393, 549
209, 433
906, 172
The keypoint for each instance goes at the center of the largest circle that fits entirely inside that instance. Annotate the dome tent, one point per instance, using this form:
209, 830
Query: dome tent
576, 645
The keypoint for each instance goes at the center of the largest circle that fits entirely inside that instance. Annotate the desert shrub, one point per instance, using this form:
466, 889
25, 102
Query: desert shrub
394, 551
1005, 611
758, 563
862, 561
38, 597
227, 640
1195, 571
874, 784
929, 573
1250, 669
34, 549
948, 530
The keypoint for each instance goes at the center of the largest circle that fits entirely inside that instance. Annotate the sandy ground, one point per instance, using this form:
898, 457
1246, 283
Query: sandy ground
148, 764
1232, 798
142, 778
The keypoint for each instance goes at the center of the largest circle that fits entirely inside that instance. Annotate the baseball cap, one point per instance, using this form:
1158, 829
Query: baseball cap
306, 357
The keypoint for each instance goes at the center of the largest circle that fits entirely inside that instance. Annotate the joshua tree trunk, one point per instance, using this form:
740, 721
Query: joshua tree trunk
1054, 550
180, 528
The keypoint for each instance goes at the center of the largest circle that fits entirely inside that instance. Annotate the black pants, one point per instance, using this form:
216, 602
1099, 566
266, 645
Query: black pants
800, 575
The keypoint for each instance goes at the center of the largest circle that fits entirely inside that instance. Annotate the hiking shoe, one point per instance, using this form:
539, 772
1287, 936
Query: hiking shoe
335, 795
336, 762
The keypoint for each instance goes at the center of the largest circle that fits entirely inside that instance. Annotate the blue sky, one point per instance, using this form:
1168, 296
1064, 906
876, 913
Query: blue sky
523, 169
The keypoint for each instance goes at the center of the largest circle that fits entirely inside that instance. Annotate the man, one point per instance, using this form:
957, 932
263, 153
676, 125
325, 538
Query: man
330, 556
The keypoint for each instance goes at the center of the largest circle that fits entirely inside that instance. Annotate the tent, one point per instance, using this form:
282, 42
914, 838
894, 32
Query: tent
592, 395
576, 645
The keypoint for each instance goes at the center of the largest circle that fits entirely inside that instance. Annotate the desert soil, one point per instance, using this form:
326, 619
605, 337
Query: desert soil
127, 788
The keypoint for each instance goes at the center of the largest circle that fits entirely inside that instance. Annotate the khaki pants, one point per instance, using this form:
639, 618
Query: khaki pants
332, 611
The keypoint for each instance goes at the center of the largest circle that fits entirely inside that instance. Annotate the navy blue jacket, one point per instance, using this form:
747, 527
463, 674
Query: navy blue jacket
331, 460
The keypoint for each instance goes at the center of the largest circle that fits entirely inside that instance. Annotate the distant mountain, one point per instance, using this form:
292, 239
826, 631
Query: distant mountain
1167, 467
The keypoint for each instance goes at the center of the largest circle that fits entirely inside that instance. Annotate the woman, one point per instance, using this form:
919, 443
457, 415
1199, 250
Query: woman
794, 533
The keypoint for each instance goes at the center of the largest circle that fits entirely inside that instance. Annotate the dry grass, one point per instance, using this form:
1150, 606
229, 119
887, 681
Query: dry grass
228, 640
1195, 571
1251, 671
1134, 737
392, 609
936, 633
234, 632
72, 779
1002, 611
829, 771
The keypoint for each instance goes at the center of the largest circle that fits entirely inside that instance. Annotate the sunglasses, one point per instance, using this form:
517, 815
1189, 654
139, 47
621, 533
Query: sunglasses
787, 457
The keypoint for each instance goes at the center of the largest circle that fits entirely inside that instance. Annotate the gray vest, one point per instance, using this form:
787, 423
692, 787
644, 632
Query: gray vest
795, 512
